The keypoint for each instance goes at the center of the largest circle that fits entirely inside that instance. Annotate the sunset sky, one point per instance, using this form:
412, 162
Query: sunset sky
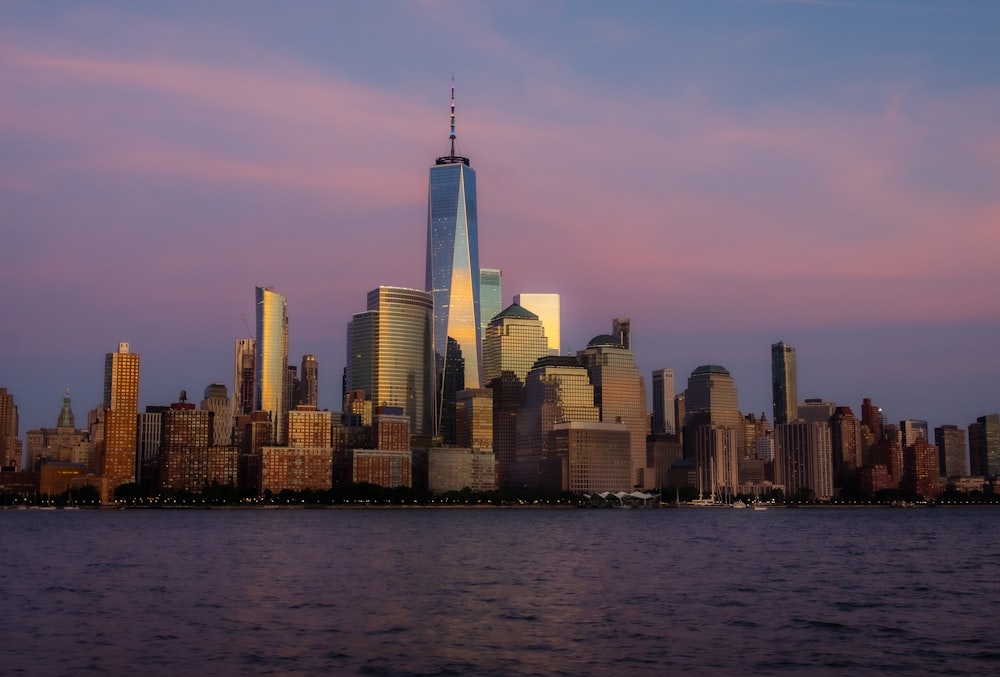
726, 173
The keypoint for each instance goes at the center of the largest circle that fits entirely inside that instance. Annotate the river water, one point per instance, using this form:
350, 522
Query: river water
500, 592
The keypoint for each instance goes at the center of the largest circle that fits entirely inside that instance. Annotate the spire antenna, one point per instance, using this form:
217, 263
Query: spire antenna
452, 135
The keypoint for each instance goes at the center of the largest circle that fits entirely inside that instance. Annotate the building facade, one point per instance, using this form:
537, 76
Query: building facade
271, 357
490, 297
953, 456
546, 307
804, 459
243, 377
116, 457
784, 383
664, 422
390, 354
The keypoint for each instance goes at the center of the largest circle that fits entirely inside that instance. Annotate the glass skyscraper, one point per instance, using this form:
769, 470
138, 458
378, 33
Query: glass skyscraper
389, 354
546, 306
784, 388
271, 357
453, 275
490, 297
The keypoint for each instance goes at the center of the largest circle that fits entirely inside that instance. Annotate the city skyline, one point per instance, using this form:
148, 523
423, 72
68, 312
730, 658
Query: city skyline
846, 214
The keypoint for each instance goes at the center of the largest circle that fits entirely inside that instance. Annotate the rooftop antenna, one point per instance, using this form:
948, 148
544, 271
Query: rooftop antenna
452, 135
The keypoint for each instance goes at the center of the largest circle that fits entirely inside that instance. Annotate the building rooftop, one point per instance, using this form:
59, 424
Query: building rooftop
711, 369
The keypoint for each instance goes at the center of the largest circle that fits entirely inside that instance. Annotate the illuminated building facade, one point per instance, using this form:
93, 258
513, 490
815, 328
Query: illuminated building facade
920, 469
271, 357
454, 469
546, 307
384, 467
390, 355
216, 401
804, 459
116, 457
308, 393
295, 468
474, 419
452, 277
595, 457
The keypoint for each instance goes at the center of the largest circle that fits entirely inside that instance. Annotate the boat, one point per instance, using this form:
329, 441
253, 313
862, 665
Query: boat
738, 503
758, 506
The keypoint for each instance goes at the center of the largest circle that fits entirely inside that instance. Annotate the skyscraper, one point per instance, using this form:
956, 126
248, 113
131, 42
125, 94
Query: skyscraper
663, 402
243, 387
953, 458
271, 357
984, 445
546, 306
803, 460
309, 381
620, 392
784, 383
453, 271
390, 354
490, 297
216, 401
116, 461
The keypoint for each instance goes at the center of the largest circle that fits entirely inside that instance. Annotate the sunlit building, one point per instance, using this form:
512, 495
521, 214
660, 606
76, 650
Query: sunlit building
620, 394
594, 456
216, 401
454, 469
308, 393
384, 467
390, 355
452, 277
474, 419
296, 468
271, 357
116, 456
546, 307
308, 427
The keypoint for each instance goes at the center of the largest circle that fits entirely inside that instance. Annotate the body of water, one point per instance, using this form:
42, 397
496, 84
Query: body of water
500, 592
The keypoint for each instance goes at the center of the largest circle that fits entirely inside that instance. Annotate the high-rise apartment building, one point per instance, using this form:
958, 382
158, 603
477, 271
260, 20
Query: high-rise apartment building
243, 375
490, 297
784, 383
187, 435
804, 459
873, 417
953, 457
453, 270
546, 307
116, 459
920, 469
663, 402
847, 444
816, 410
271, 357
620, 393
390, 354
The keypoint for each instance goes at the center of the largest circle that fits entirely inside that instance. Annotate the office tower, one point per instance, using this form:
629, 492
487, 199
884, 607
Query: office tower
390, 355
620, 394
117, 455
490, 297
10, 449
912, 429
453, 271
784, 383
711, 397
847, 444
454, 469
546, 307
187, 434
216, 401
271, 357
984, 446
920, 469
515, 339
291, 386
474, 419
953, 457
816, 410
309, 427
150, 433
64, 443
243, 375
663, 402
595, 456
871, 416
804, 460
557, 389
309, 381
